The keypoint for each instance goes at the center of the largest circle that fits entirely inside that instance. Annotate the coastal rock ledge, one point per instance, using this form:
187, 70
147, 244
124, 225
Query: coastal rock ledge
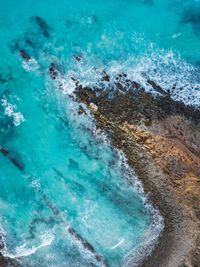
161, 139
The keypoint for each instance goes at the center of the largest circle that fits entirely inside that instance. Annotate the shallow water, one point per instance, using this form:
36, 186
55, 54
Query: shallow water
57, 172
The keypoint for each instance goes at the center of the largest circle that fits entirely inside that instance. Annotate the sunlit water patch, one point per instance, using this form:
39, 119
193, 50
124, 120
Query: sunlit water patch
65, 197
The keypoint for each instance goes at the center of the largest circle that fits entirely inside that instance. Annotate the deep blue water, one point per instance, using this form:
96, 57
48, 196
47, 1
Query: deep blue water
62, 183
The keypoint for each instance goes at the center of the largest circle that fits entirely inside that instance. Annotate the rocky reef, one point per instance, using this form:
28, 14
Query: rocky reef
161, 139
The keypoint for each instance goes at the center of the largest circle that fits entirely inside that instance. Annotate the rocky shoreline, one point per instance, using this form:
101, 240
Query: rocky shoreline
161, 140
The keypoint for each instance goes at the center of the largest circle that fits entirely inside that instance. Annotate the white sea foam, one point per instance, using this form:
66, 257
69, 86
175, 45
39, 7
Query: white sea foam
67, 84
9, 110
31, 65
166, 68
118, 244
2, 236
25, 250
36, 184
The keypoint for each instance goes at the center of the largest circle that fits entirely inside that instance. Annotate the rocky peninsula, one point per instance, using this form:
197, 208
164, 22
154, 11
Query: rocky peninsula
161, 140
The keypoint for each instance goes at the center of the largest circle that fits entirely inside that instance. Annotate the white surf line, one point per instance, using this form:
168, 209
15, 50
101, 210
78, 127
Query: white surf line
22, 251
118, 244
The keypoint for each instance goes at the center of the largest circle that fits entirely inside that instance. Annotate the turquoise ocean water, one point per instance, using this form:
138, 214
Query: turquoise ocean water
65, 195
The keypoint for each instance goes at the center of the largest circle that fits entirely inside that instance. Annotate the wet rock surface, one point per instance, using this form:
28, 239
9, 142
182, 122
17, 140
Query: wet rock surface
7, 262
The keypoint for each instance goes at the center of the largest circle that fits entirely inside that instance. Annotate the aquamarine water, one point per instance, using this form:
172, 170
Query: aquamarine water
58, 172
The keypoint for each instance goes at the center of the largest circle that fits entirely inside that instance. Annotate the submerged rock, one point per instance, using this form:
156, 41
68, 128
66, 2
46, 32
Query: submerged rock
192, 16
54, 71
24, 55
42, 25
